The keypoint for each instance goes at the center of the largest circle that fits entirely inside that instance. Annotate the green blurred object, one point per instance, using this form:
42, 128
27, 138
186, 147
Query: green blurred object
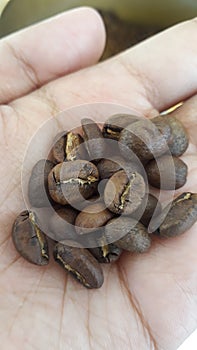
127, 21
20, 13
122, 34
3, 4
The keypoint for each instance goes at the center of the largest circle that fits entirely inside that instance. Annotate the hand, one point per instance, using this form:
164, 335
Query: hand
147, 301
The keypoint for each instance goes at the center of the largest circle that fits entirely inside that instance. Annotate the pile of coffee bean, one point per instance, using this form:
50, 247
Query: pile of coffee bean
96, 185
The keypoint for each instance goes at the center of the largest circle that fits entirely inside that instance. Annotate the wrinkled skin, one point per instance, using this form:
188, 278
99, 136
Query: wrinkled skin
147, 301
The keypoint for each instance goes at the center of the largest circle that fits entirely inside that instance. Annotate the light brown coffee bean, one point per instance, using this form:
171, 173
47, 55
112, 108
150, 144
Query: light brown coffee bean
80, 263
124, 194
95, 143
128, 234
143, 139
167, 172
62, 223
178, 217
29, 240
38, 193
71, 182
68, 147
116, 123
92, 217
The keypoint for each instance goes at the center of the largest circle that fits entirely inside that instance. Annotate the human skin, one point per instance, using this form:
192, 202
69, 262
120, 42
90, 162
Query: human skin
147, 301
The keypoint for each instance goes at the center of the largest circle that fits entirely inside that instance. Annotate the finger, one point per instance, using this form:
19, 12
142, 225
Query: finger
187, 114
48, 50
166, 65
149, 77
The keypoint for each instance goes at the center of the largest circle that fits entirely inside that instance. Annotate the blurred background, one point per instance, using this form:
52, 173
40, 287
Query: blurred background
127, 21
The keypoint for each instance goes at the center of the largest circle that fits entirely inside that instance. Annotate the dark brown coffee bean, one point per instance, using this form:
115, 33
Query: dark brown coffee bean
80, 263
29, 240
123, 194
58, 149
71, 182
101, 188
92, 239
181, 215
128, 234
38, 193
106, 253
143, 139
149, 206
177, 138
167, 172
75, 147
180, 140
92, 217
133, 167
116, 123
95, 143
108, 167
62, 222
163, 126
68, 147
94, 199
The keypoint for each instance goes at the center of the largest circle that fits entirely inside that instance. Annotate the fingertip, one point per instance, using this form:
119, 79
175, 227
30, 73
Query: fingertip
95, 30
57, 46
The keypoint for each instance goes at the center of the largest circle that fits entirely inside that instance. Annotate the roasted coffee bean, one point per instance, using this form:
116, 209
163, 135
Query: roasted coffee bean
108, 167
92, 239
57, 152
101, 188
96, 232
70, 182
143, 139
177, 138
106, 253
80, 263
92, 217
38, 193
124, 194
163, 126
180, 140
128, 234
29, 240
167, 172
58, 149
149, 206
68, 147
178, 217
62, 222
116, 123
92, 200
95, 142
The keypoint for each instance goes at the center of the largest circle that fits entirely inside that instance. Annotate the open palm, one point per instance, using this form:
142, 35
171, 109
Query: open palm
147, 301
